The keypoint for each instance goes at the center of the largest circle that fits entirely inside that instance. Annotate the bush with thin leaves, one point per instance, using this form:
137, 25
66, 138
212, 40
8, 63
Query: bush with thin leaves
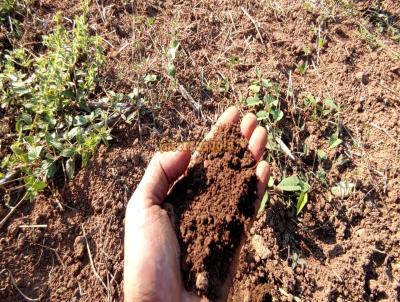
53, 123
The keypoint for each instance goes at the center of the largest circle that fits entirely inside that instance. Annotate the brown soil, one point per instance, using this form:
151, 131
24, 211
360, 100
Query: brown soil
350, 246
212, 205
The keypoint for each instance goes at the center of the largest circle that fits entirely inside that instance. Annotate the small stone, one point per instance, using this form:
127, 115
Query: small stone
362, 77
202, 281
79, 247
260, 247
362, 233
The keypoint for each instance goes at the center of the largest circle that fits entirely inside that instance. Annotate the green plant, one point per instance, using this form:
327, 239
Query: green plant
266, 196
334, 141
265, 96
7, 6
295, 185
302, 68
150, 78
54, 125
321, 108
171, 55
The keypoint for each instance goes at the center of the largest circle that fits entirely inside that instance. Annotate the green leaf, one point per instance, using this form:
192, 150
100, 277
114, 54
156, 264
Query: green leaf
330, 104
16, 149
253, 101
70, 168
49, 167
322, 155
263, 202
310, 101
262, 115
85, 158
171, 53
39, 185
26, 118
271, 143
68, 152
171, 69
255, 88
305, 187
301, 202
235, 60
290, 184
73, 132
80, 120
271, 182
150, 78
34, 153
151, 21
334, 141
277, 115
266, 83
271, 101
68, 94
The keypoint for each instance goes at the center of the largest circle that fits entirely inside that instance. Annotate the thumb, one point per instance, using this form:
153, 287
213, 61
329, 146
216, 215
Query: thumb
162, 171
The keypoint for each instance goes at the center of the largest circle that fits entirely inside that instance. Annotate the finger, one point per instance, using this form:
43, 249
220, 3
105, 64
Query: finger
257, 142
263, 173
162, 171
248, 124
230, 116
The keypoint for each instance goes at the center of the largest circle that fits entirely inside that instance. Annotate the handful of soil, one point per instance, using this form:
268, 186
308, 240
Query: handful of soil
212, 206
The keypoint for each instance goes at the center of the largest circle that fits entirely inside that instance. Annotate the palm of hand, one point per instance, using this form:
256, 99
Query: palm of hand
151, 266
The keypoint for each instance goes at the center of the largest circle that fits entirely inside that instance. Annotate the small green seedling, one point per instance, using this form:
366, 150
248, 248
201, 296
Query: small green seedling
321, 109
295, 184
302, 68
322, 156
266, 195
150, 78
266, 96
334, 141
171, 55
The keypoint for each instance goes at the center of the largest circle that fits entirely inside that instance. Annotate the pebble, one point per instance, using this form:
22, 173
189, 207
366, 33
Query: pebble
362, 77
202, 281
260, 247
79, 247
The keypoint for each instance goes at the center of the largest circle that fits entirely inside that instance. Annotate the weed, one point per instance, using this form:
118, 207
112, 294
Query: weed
302, 68
150, 78
321, 109
265, 96
334, 141
373, 40
266, 195
171, 55
54, 123
295, 185
8, 6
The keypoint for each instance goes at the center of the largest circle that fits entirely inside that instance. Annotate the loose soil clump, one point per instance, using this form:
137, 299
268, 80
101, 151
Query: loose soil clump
212, 206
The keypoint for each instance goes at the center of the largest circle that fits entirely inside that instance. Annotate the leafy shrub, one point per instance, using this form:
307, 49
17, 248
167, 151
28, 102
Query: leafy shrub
49, 93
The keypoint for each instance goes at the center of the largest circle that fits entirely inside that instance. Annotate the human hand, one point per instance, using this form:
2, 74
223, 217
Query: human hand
152, 262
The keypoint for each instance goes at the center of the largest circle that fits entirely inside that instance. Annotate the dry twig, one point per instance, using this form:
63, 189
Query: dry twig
255, 23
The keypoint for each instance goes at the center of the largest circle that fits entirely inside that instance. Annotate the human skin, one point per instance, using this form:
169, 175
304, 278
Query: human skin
151, 261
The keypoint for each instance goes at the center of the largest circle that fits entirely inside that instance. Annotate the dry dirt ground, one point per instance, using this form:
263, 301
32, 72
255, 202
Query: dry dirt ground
338, 249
